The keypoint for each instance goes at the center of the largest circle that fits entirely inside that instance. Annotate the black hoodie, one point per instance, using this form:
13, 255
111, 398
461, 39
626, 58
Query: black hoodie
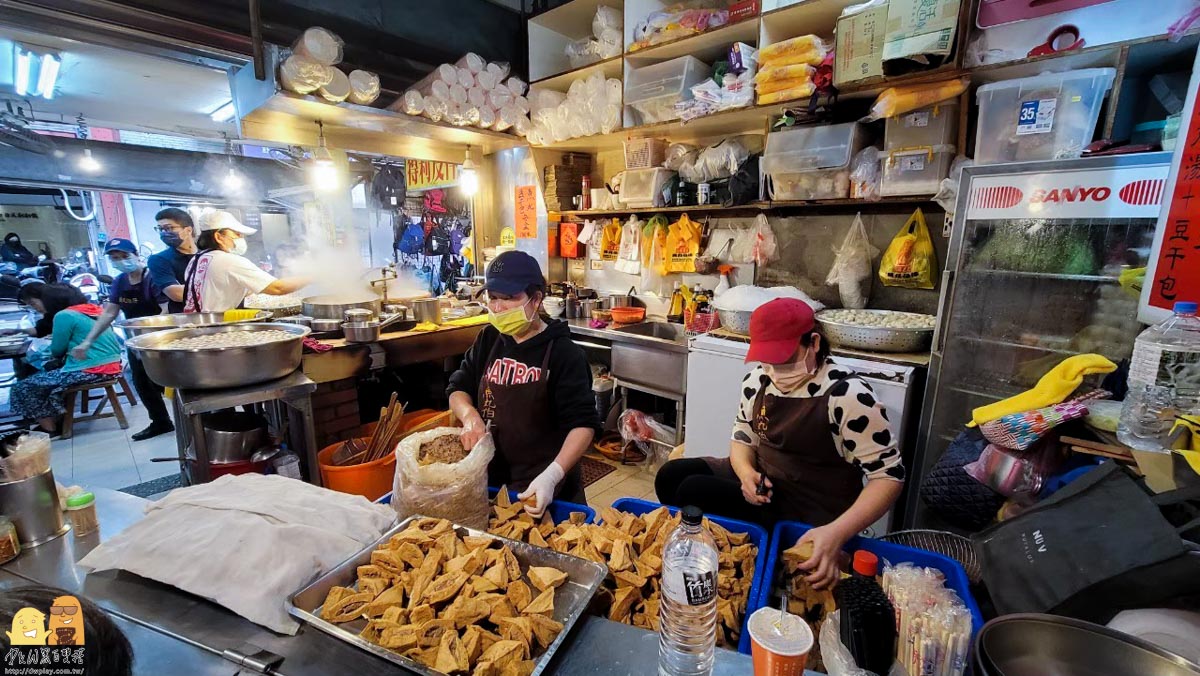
571, 399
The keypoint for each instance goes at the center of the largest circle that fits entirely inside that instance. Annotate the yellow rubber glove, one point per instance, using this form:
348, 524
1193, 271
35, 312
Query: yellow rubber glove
1053, 388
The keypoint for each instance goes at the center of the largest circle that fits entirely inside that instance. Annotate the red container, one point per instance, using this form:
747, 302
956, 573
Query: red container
740, 11
220, 469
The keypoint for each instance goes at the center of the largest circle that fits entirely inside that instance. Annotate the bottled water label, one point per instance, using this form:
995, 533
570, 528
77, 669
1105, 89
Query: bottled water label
1163, 367
691, 589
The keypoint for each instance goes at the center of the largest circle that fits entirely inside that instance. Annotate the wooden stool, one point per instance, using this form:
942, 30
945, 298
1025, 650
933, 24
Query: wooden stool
109, 397
86, 399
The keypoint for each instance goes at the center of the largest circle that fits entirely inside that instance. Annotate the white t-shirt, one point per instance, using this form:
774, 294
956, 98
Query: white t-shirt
222, 281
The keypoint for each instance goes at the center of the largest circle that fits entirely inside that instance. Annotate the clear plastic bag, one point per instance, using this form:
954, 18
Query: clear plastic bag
607, 18
808, 49
302, 75
947, 194
364, 87
1016, 474
866, 173
28, 457
457, 491
837, 658
320, 45
852, 269
653, 438
765, 247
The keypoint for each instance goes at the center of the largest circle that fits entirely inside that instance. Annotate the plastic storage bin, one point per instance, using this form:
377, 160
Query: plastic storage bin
786, 534
654, 90
916, 171
559, 510
1045, 117
811, 163
758, 536
936, 125
644, 188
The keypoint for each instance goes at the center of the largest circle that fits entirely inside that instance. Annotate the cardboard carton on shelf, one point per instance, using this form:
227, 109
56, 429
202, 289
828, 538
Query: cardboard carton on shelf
859, 45
921, 30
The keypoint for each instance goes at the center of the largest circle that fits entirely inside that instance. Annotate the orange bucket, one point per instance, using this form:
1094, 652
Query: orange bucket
370, 480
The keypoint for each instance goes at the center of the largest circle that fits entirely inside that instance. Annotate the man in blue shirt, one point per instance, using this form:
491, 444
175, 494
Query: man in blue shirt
168, 268
135, 295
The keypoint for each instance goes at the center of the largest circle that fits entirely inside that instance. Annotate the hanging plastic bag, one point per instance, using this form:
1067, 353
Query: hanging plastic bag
629, 260
610, 241
851, 271
866, 174
454, 491
682, 245
947, 194
766, 249
910, 260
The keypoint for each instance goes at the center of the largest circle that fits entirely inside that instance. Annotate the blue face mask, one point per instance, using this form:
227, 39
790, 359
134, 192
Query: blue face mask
171, 239
127, 264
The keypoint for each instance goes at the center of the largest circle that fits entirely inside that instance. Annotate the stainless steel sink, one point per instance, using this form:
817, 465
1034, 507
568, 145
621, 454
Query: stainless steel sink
660, 330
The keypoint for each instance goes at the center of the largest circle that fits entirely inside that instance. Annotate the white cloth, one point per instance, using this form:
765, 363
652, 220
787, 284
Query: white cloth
245, 542
222, 281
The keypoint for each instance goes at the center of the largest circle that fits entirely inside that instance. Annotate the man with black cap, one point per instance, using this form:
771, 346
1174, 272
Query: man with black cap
530, 386
135, 295
810, 443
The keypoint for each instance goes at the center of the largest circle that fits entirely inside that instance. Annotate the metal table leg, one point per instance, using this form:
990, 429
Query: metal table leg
200, 473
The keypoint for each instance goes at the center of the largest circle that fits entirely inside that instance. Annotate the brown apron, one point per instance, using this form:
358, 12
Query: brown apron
527, 438
812, 481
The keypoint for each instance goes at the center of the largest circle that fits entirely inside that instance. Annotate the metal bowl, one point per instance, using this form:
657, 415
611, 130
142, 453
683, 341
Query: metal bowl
144, 325
334, 307
219, 367
874, 338
1048, 645
737, 321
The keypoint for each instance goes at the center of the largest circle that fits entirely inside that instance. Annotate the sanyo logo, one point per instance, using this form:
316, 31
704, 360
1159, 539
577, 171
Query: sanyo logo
1076, 194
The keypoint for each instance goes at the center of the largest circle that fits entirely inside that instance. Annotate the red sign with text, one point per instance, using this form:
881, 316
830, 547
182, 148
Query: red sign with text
1177, 273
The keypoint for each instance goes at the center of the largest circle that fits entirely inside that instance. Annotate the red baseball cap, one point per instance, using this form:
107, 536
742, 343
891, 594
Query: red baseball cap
776, 328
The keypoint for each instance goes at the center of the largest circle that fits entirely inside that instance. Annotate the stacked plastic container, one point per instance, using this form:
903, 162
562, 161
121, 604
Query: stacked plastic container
1046, 117
919, 149
811, 163
653, 91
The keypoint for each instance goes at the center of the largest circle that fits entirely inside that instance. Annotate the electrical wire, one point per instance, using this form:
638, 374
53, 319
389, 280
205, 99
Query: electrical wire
82, 198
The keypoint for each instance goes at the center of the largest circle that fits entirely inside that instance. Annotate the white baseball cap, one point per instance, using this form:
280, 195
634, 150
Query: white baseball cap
223, 220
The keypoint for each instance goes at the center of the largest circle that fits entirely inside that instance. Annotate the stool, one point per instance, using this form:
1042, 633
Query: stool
86, 399
109, 397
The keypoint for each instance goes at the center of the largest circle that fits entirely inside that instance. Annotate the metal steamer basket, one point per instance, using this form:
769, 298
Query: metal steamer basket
570, 600
875, 338
219, 367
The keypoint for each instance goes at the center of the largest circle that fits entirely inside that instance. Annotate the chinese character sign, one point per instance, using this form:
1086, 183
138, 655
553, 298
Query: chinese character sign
426, 174
525, 207
1177, 269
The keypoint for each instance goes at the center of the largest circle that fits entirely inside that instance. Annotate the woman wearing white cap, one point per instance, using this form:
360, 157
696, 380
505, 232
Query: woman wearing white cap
220, 277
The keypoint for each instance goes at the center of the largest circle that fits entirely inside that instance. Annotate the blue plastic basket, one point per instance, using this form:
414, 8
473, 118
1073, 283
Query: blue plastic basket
758, 536
787, 532
560, 510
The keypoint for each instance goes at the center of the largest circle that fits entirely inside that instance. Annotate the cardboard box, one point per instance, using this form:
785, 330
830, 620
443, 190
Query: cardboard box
859, 46
744, 9
920, 27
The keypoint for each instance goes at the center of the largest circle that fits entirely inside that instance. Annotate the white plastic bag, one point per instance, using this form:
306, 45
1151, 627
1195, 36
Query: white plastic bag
866, 174
765, 249
852, 270
837, 658
457, 491
320, 45
947, 194
629, 260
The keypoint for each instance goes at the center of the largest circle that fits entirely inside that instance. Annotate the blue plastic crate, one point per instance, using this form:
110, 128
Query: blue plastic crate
787, 532
560, 510
758, 536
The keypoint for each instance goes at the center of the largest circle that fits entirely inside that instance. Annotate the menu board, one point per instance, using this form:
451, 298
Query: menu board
525, 203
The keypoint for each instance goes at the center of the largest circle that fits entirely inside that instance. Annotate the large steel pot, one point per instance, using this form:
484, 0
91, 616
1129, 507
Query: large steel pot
144, 325
1048, 645
335, 306
219, 367
232, 436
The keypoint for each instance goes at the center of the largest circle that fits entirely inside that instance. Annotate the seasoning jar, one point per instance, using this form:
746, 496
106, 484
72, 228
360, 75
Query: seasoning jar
10, 545
82, 511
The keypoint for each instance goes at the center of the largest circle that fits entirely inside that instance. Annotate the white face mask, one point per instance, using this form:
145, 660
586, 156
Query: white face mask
239, 246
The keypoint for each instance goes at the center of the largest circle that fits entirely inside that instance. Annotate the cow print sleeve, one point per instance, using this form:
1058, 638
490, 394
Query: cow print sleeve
861, 429
743, 430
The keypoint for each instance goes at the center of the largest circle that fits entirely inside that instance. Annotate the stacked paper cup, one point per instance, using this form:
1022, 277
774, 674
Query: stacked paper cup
470, 92
312, 68
591, 105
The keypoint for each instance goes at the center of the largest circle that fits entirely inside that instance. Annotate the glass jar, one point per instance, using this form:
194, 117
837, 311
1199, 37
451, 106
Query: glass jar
82, 511
10, 544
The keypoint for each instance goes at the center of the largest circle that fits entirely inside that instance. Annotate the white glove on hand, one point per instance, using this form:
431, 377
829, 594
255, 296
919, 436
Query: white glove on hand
542, 489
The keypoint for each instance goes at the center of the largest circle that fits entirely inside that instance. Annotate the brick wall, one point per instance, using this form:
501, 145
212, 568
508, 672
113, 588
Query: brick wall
335, 411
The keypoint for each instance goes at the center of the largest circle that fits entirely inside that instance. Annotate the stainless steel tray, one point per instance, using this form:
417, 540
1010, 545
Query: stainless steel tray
570, 600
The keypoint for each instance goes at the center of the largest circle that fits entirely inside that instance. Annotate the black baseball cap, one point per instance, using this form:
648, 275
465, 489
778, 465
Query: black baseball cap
512, 272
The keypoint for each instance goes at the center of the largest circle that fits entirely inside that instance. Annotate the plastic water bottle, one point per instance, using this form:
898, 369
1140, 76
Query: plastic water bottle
1164, 380
688, 612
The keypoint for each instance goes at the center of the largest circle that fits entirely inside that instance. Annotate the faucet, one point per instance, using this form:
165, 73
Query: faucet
386, 272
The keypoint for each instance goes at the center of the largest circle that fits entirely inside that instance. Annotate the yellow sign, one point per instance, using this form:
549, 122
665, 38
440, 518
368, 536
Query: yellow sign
427, 174
526, 211
508, 237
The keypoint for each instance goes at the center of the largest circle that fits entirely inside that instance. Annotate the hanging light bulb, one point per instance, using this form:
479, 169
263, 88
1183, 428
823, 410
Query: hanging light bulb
88, 163
468, 176
322, 171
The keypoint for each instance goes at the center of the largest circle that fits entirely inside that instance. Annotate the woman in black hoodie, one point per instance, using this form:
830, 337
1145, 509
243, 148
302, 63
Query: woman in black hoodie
531, 384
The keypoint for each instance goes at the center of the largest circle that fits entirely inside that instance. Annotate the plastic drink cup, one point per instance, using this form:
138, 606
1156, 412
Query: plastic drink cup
779, 643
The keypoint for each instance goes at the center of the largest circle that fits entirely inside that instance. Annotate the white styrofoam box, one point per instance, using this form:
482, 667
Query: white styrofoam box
1045, 117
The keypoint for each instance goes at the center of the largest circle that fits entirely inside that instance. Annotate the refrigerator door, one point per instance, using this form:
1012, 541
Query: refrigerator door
1040, 267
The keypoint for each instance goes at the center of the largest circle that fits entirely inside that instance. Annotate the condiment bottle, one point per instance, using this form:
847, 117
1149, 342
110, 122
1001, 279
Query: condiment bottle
675, 314
81, 509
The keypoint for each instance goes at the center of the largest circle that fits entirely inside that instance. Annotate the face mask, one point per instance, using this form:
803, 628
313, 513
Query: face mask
510, 322
127, 264
239, 246
790, 376
171, 239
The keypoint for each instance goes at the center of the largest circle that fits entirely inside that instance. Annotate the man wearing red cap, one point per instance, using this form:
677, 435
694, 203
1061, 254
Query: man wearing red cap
811, 443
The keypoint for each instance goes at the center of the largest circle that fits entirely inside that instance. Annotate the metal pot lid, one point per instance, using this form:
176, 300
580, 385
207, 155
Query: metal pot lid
359, 315
265, 454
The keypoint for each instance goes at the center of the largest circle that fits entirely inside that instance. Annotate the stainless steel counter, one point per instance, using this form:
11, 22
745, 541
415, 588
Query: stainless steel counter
580, 327
171, 627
